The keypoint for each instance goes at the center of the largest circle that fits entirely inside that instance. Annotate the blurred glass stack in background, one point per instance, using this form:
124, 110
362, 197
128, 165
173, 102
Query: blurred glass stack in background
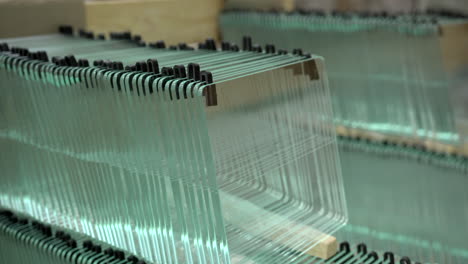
386, 72
398, 89
405, 200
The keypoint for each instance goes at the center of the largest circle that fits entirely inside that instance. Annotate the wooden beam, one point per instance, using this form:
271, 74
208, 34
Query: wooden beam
454, 43
26, 18
173, 21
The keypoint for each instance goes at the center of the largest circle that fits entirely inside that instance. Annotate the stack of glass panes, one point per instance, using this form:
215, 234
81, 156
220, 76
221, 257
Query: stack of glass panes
18, 236
386, 72
182, 156
386, 75
406, 199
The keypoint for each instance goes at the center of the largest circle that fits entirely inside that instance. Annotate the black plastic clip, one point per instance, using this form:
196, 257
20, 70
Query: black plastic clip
210, 44
269, 48
210, 91
47, 230
71, 243
153, 66
89, 35
225, 46
43, 56
88, 244
179, 71
201, 46
388, 256
97, 63
56, 60
81, 33
4, 47
235, 47
109, 252
119, 65
118, 254
405, 260
167, 71
344, 247
83, 63
282, 52
183, 46
127, 35
297, 52
247, 43
133, 259
158, 45
362, 249
66, 30
372, 256
257, 48
20, 51
137, 38
194, 71
71, 61
97, 249
141, 66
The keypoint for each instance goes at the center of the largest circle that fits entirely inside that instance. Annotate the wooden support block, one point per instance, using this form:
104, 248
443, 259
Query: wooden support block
325, 249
